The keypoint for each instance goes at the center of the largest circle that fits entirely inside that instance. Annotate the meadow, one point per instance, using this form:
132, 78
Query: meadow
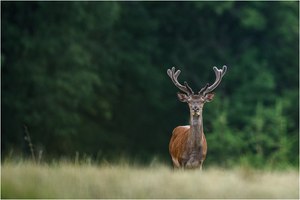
69, 180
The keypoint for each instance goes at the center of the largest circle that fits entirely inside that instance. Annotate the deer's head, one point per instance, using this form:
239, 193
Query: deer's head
196, 101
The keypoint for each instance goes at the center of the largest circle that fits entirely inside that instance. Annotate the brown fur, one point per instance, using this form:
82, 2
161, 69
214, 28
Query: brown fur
178, 145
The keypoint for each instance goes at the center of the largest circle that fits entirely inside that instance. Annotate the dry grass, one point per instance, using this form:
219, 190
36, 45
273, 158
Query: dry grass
26, 180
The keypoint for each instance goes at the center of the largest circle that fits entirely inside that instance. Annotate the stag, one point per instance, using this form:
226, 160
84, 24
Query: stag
188, 147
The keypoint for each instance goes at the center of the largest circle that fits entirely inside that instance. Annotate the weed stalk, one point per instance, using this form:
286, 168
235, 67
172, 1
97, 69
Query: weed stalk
28, 139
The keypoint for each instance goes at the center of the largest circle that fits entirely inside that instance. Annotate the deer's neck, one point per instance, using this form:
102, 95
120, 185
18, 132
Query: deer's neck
196, 130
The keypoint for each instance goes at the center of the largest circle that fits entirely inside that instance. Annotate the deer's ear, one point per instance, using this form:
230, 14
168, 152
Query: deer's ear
182, 97
209, 97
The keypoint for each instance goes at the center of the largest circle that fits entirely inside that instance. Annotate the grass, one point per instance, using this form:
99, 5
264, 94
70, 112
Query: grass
65, 180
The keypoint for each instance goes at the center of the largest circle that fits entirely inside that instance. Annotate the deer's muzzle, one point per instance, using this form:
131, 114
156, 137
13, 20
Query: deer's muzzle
195, 110
197, 113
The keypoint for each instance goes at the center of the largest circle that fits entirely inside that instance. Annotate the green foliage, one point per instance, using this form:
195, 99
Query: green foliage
90, 77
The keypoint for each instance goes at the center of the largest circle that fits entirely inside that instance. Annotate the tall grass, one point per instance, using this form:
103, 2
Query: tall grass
65, 180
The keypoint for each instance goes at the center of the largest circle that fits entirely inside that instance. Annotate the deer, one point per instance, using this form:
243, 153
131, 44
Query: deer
188, 146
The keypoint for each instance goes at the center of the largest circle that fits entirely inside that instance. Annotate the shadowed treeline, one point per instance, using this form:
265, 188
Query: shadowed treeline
90, 77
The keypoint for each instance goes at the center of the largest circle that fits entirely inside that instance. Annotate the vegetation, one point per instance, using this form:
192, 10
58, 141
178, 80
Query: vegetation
89, 78
66, 180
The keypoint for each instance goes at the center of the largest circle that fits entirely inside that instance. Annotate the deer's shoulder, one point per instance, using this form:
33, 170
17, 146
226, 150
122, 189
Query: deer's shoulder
181, 129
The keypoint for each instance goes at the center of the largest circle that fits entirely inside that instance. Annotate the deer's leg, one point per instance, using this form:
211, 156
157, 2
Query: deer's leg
175, 163
201, 163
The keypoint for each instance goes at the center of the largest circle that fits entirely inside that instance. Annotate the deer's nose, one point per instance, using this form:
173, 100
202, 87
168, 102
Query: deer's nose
195, 108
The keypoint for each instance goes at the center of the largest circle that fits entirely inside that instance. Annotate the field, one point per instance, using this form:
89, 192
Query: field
65, 180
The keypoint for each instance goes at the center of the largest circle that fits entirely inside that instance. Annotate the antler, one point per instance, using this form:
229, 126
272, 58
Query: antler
219, 74
174, 75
